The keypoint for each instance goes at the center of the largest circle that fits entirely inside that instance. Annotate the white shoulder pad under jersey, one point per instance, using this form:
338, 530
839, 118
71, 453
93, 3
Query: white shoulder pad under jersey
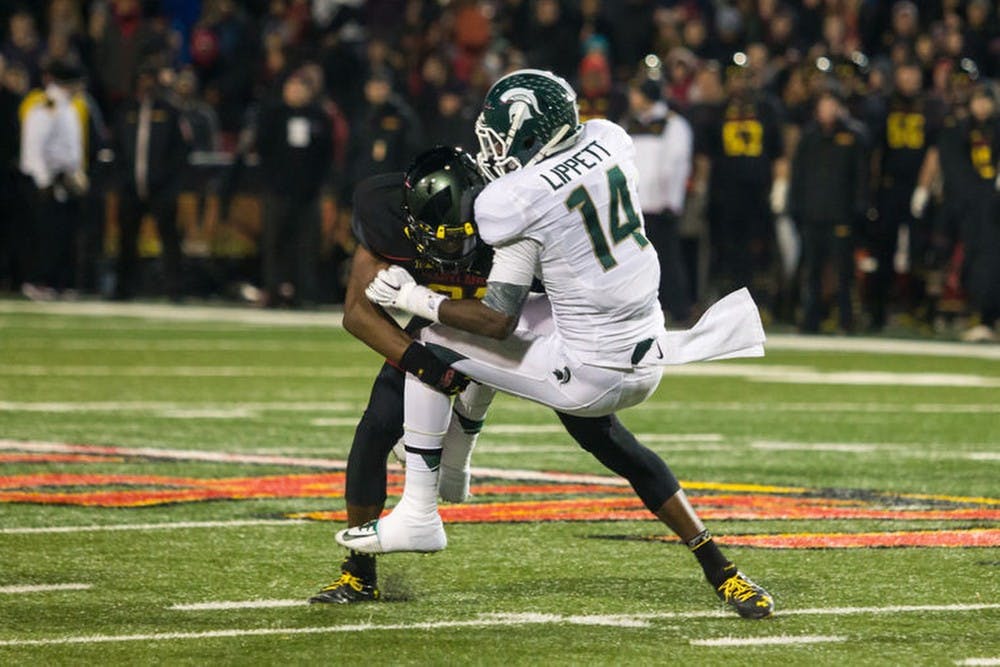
600, 272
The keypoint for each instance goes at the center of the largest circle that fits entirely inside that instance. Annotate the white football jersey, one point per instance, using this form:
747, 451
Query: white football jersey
600, 272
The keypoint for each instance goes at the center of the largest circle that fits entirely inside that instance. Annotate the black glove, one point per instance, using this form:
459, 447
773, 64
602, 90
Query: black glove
432, 371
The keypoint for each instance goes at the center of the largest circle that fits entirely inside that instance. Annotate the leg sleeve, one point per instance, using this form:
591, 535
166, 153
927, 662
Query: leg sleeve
617, 449
380, 428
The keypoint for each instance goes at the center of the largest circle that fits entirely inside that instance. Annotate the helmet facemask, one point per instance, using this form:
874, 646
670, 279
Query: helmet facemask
449, 249
437, 200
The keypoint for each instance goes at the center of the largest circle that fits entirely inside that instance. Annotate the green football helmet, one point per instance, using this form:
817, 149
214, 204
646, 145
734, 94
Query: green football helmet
527, 115
438, 192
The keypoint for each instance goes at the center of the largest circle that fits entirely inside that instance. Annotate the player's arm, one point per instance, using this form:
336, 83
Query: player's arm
496, 316
365, 321
929, 170
507, 288
373, 326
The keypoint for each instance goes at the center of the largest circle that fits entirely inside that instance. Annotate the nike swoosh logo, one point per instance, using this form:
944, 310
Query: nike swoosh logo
347, 537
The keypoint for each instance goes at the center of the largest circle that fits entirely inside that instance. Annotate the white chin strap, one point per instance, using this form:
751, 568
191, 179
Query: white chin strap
554, 145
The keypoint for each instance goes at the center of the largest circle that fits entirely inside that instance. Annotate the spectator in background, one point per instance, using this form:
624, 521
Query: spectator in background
122, 39
553, 39
681, 69
596, 94
663, 144
454, 122
224, 46
151, 154
976, 144
433, 77
198, 116
22, 45
386, 137
828, 194
14, 215
52, 154
294, 141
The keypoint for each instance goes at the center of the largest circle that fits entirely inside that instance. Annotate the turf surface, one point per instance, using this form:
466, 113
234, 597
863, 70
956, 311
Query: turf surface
863, 458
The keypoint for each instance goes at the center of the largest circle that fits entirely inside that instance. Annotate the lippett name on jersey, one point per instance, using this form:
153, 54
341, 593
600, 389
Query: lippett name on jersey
574, 165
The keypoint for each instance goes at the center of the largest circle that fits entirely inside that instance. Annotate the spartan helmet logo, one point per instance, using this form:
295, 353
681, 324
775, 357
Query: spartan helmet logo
521, 96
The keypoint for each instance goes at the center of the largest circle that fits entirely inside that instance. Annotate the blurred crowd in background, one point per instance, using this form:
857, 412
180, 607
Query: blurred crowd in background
837, 156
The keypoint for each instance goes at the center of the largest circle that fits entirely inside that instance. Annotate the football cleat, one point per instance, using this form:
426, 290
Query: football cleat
348, 589
747, 598
395, 533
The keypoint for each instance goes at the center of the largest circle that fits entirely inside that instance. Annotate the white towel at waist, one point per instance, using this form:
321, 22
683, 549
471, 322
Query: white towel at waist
730, 329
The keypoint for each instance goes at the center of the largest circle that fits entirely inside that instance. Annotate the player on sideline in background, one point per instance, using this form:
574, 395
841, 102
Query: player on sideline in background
559, 190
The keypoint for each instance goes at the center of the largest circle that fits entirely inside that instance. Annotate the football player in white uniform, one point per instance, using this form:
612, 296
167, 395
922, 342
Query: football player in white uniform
561, 206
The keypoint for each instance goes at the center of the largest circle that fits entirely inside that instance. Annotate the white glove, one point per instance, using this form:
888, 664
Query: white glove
918, 202
779, 196
395, 288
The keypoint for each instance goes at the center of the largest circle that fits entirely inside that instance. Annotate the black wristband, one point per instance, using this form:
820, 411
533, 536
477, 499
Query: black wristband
430, 370
423, 363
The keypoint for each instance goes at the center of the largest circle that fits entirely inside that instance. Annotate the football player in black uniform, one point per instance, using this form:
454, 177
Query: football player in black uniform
448, 259
422, 221
745, 148
904, 126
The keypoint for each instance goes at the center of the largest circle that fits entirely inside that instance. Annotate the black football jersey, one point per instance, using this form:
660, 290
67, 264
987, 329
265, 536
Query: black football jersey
379, 223
743, 141
905, 131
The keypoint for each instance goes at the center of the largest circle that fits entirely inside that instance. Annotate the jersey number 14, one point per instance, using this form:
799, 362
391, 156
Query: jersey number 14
580, 199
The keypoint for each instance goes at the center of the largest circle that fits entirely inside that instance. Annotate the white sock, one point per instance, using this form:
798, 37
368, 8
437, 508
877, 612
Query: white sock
414, 523
420, 488
456, 462
467, 417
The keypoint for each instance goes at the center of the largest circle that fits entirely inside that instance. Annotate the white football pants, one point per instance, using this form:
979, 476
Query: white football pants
533, 363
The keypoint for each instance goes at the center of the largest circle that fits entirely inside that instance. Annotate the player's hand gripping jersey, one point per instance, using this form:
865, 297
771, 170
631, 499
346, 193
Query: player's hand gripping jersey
600, 272
379, 225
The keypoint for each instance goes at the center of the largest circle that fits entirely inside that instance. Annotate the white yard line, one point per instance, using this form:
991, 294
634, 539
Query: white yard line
334, 318
492, 620
841, 447
174, 454
745, 372
169, 406
778, 640
337, 406
42, 588
821, 408
749, 372
170, 313
923, 348
983, 456
926, 451
242, 604
759, 372
179, 525
146, 343
979, 662
16, 370
292, 461
679, 437
335, 421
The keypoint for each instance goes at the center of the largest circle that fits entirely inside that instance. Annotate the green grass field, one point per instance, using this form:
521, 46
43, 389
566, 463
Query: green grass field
167, 473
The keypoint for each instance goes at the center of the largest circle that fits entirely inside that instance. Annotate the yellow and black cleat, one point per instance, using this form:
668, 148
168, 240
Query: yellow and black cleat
747, 598
348, 589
